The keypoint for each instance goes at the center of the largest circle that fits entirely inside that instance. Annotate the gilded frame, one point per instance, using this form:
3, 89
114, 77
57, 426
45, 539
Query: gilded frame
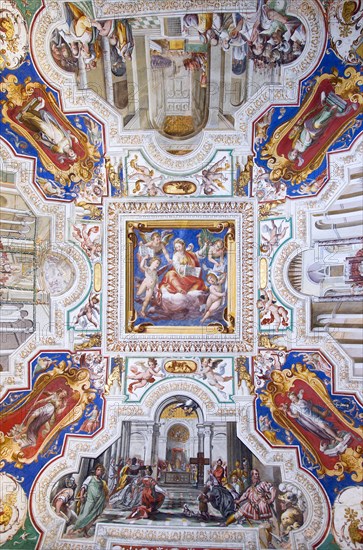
237, 335
77, 380
347, 88
214, 226
20, 95
282, 383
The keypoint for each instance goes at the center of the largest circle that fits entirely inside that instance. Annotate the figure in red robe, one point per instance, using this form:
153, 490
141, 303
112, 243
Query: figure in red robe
219, 472
152, 497
185, 275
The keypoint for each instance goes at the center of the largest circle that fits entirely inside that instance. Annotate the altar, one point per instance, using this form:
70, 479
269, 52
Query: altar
176, 478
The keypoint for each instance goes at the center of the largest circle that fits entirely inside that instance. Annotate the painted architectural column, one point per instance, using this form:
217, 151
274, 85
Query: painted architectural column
208, 438
214, 88
200, 428
125, 440
149, 433
106, 56
155, 441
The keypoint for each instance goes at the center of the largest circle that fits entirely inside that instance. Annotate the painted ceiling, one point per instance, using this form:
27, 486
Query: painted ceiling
181, 274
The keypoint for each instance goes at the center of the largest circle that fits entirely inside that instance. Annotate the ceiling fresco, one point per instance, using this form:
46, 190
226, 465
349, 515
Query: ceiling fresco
181, 244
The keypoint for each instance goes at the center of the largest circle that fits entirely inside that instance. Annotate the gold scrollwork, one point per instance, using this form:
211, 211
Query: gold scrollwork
93, 341
184, 187
20, 95
180, 367
282, 382
78, 380
245, 178
243, 374
114, 178
115, 376
347, 89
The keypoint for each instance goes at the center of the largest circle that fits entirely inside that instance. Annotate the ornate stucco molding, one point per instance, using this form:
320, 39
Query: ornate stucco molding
242, 340
73, 99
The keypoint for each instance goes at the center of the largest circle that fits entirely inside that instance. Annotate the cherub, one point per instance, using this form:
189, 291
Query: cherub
262, 126
144, 176
83, 236
50, 188
214, 378
144, 374
270, 312
216, 255
89, 309
150, 284
275, 235
213, 178
317, 362
216, 294
313, 187
157, 243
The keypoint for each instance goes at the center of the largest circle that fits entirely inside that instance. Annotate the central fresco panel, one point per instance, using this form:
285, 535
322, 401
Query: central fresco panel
179, 269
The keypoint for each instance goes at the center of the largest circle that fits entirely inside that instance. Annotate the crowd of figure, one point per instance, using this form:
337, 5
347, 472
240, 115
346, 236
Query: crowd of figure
269, 36
131, 487
243, 498
80, 39
240, 497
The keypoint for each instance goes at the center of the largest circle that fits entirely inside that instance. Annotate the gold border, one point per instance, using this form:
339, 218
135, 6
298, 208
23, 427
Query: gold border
282, 381
78, 380
118, 341
281, 167
147, 226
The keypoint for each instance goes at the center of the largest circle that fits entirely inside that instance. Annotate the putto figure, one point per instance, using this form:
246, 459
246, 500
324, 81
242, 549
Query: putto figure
143, 374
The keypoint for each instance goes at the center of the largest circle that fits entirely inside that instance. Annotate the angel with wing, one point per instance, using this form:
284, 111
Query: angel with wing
143, 176
273, 235
91, 245
211, 248
213, 376
143, 374
213, 179
156, 245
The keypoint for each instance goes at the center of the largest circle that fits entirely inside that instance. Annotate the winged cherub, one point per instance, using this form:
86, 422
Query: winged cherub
273, 236
156, 245
143, 176
212, 179
213, 371
143, 374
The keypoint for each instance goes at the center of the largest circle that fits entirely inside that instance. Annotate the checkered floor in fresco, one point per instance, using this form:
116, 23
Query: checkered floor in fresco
148, 22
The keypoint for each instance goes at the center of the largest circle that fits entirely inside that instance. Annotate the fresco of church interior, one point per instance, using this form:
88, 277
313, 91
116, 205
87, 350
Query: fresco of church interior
181, 273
